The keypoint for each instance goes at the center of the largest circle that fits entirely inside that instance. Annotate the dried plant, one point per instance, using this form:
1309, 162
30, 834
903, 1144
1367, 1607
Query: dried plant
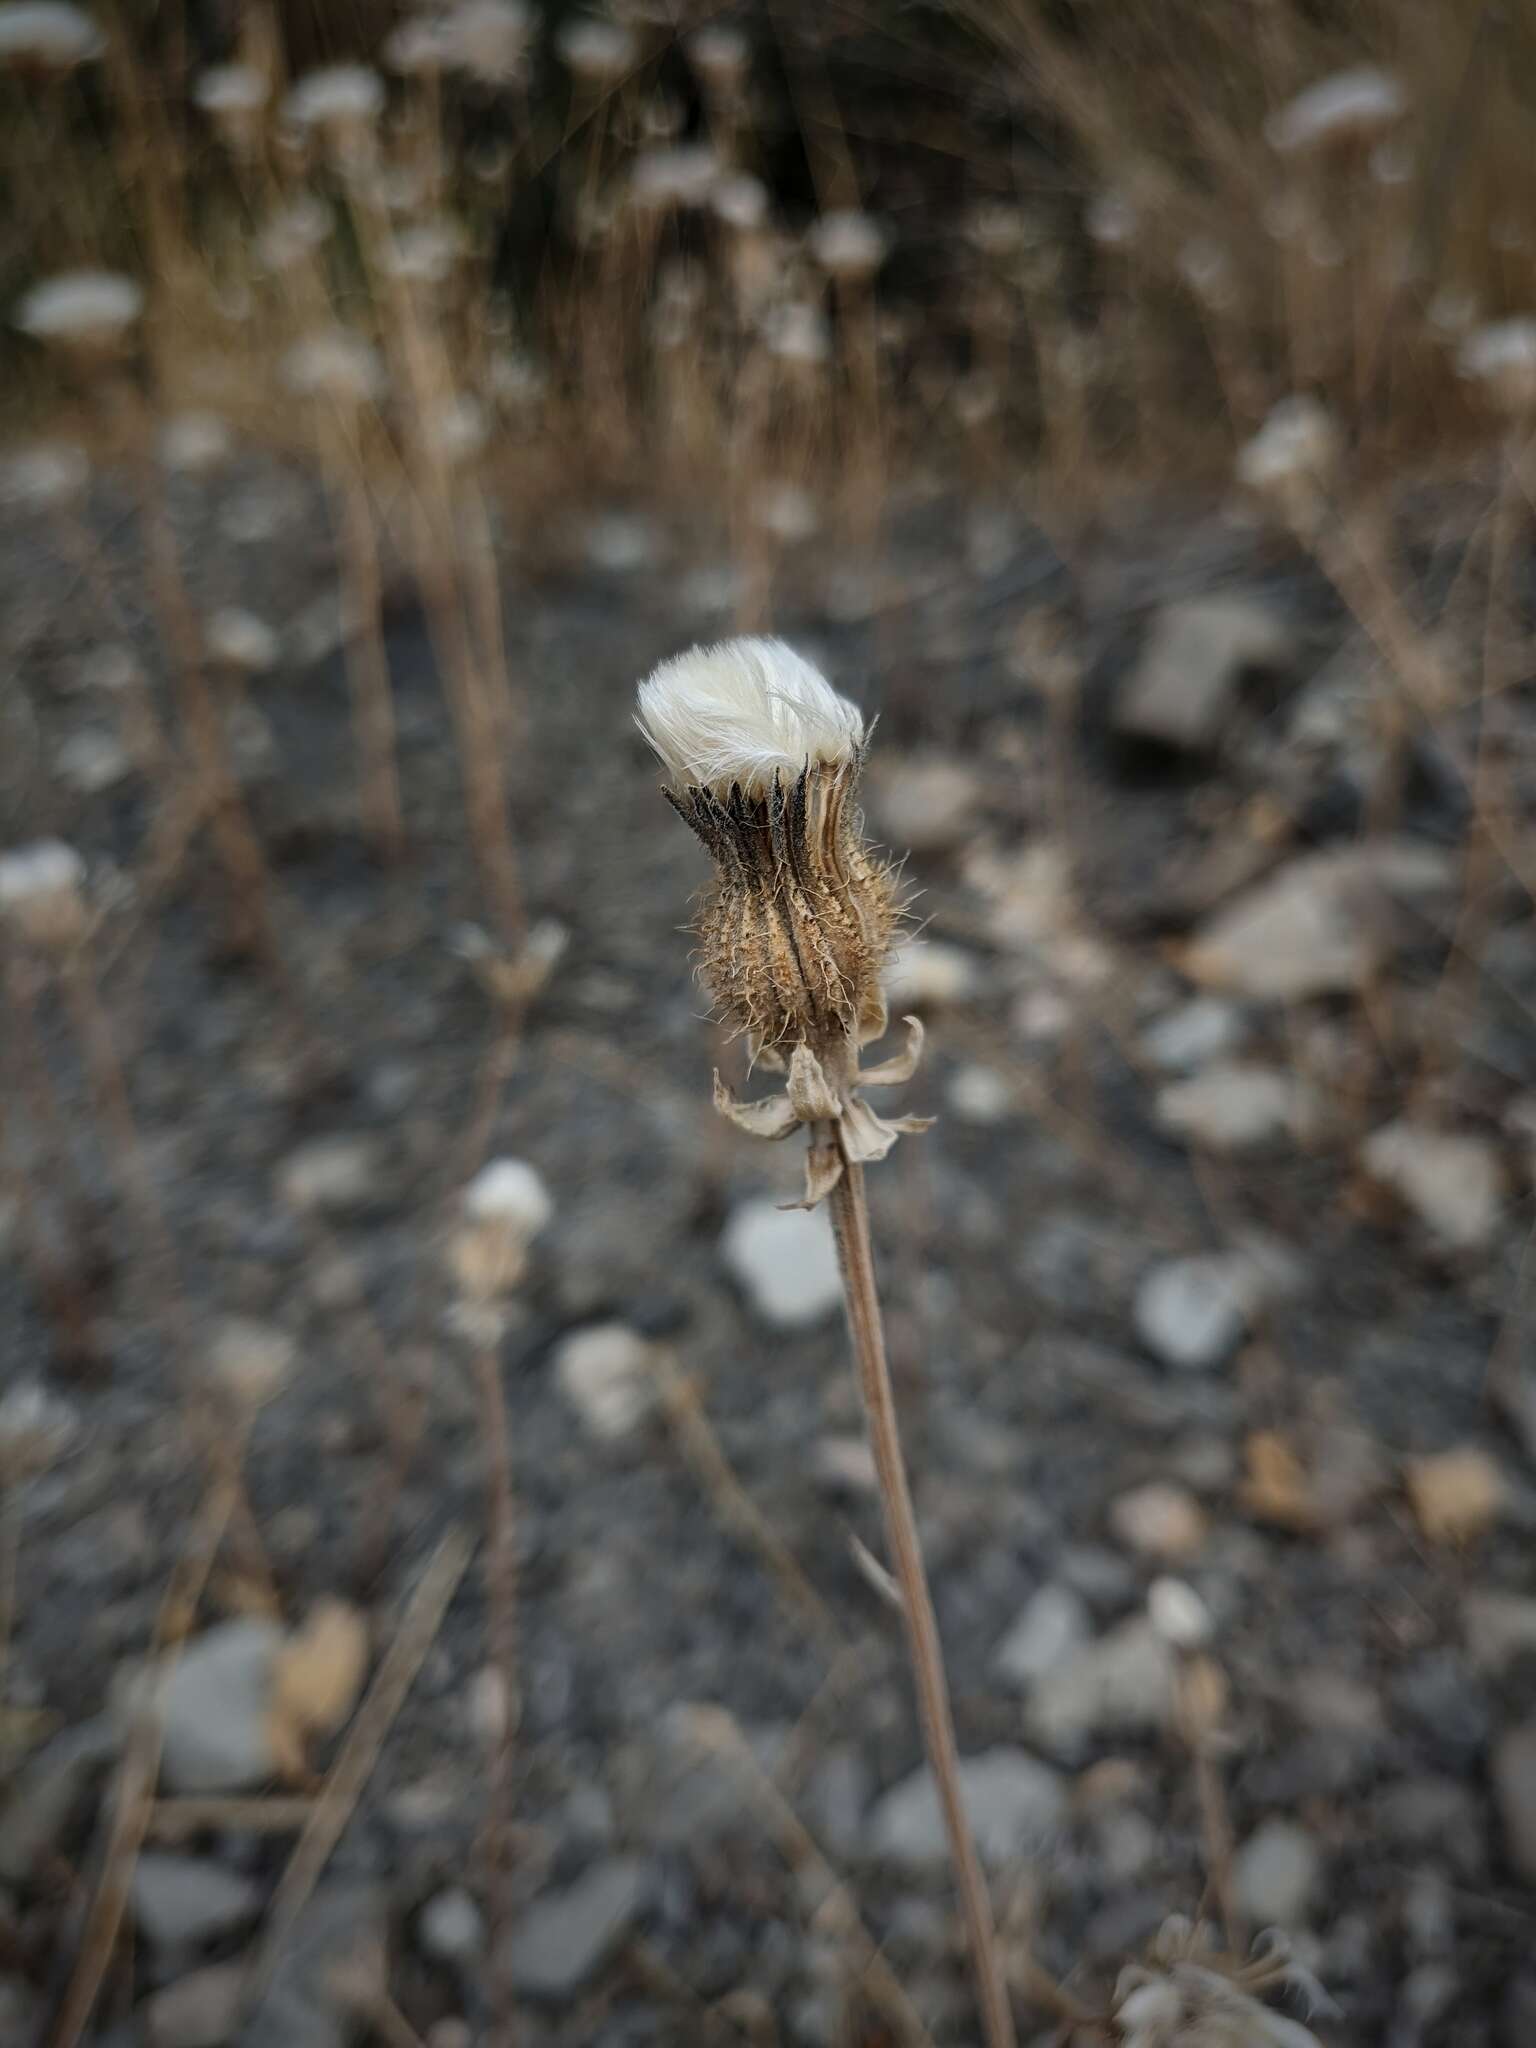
763, 759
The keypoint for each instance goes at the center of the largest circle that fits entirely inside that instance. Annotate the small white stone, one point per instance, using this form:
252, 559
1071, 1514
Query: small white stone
608, 1374
1015, 1804
239, 640
509, 1191
1053, 1625
44, 477
87, 306
1190, 1037
91, 760
1450, 1179
1350, 105
1191, 1313
928, 974
1235, 1106
1179, 1615
786, 1261
1275, 1875
49, 34
330, 1175
250, 1360
927, 802
216, 1709
451, 1926
979, 1095
194, 442
1159, 1521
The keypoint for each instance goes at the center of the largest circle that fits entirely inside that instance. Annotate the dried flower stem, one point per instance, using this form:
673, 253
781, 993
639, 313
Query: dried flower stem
500, 1568
367, 663
850, 1226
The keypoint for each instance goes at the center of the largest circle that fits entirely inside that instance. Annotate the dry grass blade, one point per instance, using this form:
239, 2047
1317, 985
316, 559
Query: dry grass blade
342, 1789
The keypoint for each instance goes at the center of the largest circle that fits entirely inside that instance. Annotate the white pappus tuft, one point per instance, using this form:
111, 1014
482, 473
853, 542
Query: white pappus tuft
744, 712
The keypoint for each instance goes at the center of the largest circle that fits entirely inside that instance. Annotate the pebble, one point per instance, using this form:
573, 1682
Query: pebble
1014, 1802
608, 1374
333, 1963
1186, 680
1159, 1521
216, 1707
1514, 1790
451, 1927
333, 1176
978, 1095
926, 802
927, 974
250, 1360
1451, 1180
1235, 1106
786, 1261
1053, 1625
1121, 1684
92, 760
184, 1900
197, 2011
565, 1936
1316, 927
1456, 1495
1192, 1313
1499, 1628
1275, 1875
1190, 1037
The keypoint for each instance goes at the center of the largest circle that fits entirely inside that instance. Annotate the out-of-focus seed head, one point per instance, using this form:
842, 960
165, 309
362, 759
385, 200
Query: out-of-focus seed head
1291, 462
487, 40
335, 365
848, 244
36, 1428
235, 99
294, 232
87, 313
44, 36
682, 175
239, 641
740, 201
596, 52
1501, 360
340, 106
193, 443
42, 895
505, 1207
1355, 106
45, 477
720, 55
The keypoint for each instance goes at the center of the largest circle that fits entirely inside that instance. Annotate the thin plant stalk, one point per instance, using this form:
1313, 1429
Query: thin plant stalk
501, 1601
367, 661
850, 1226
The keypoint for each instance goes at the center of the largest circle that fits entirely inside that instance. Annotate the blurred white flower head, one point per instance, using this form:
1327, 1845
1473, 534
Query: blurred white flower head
234, 97
488, 39
418, 48
294, 232
1110, 220
740, 201
81, 309
1351, 106
194, 442
455, 430
47, 35
682, 175
238, 640
42, 893
336, 365
1298, 442
509, 1191
339, 96
1502, 359
847, 243
36, 1428
425, 253
796, 332
45, 477
594, 51
720, 55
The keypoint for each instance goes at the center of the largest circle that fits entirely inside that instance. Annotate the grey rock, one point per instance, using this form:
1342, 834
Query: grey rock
1517, 2013
1236, 1106
1275, 1875
1053, 1625
926, 802
50, 1785
451, 1927
1452, 1180
1015, 1803
1122, 1683
332, 1963
674, 1793
1441, 1815
1514, 1790
607, 1372
786, 1262
1190, 1037
1192, 663
182, 1900
215, 1705
1440, 1696
566, 1936
197, 2011
334, 1176
1499, 1628
1192, 1313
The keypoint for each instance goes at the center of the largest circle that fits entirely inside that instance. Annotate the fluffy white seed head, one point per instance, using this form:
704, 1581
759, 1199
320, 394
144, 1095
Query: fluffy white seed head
847, 243
335, 365
42, 896
47, 35
598, 52
488, 39
36, 1427
1350, 106
744, 712
43, 477
81, 307
340, 95
194, 442
511, 1192
1502, 359
1298, 441
236, 639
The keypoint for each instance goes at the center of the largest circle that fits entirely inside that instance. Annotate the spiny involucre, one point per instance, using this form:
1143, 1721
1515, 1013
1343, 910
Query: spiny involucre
763, 759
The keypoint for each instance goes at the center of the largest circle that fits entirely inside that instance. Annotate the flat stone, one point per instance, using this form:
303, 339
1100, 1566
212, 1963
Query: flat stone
1121, 1684
451, 1926
1014, 1803
1321, 926
608, 1374
1275, 1875
1159, 1521
1452, 1180
1053, 1625
927, 974
1192, 1313
926, 802
566, 1936
332, 1965
216, 1705
183, 1900
332, 1176
1190, 1037
1514, 1791
200, 2010
785, 1261
1235, 1106
1499, 1628
1192, 664
250, 1361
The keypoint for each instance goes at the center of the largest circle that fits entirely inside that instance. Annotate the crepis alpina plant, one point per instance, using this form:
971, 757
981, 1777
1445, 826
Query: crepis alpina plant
763, 759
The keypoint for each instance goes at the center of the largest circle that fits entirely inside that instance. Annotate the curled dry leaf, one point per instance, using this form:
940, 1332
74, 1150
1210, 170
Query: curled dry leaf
317, 1678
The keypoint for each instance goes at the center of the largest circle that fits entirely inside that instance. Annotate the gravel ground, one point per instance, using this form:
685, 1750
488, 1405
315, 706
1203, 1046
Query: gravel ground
1086, 1415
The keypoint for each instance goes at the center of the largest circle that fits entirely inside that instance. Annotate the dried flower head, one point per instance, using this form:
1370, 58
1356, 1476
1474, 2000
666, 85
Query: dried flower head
1501, 358
505, 1207
763, 759
42, 894
847, 243
87, 311
237, 640
47, 35
594, 51
1291, 461
234, 97
1350, 107
194, 442
1190, 1995
720, 54
45, 477
335, 365
488, 39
